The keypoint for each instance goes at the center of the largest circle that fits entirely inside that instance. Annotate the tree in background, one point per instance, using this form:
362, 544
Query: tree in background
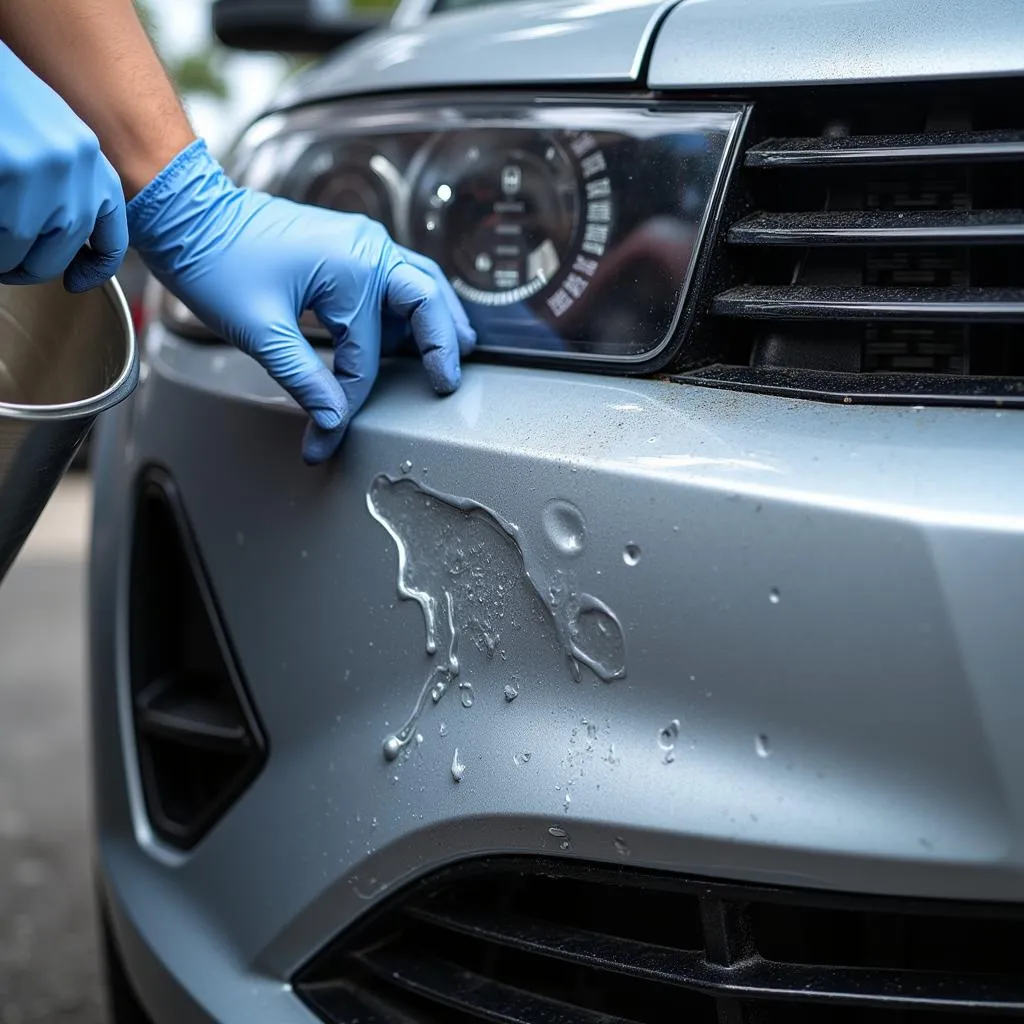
194, 74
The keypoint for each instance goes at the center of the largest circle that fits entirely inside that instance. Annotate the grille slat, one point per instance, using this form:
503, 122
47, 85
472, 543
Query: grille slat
448, 984
873, 228
926, 305
190, 719
902, 150
574, 945
516, 939
873, 388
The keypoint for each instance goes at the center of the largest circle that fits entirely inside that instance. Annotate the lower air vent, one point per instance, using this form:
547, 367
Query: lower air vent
538, 942
877, 248
199, 743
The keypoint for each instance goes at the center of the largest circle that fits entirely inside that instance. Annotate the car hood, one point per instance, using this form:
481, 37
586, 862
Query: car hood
742, 43
677, 44
533, 42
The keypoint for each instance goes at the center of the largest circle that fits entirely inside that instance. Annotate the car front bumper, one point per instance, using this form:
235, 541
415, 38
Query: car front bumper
819, 607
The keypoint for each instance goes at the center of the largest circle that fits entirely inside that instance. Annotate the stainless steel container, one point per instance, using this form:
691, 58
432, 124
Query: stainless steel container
63, 360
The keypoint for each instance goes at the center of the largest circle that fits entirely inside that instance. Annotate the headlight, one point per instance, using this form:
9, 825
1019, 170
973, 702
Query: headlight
571, 229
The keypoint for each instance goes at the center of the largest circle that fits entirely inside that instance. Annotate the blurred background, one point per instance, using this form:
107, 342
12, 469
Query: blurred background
49, 962
222, 89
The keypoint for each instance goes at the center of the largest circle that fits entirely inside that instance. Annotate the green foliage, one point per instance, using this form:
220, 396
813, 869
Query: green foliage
200, 74
194, 74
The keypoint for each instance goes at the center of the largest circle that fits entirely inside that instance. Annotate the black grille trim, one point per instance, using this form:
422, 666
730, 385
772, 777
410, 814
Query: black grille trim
944, 227
872, 230
903, 150
862, 388
436, 953
198, 739
750, 978
446, 983
923, 305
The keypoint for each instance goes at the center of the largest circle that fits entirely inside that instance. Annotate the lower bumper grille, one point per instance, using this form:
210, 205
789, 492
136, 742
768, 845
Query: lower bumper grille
540, 942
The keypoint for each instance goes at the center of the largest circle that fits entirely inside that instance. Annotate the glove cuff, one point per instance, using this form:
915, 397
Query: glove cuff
165, 184
159, 216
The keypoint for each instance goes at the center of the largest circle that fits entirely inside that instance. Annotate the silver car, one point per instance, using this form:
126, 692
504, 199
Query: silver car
671, 669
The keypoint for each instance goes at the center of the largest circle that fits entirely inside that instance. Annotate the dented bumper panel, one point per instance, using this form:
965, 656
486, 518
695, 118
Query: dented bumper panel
727, 634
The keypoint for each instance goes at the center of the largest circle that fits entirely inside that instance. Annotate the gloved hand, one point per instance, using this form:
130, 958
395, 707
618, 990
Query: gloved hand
57, 190
248, 265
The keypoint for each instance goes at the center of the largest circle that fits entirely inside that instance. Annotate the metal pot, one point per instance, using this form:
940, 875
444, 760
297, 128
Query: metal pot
63, 360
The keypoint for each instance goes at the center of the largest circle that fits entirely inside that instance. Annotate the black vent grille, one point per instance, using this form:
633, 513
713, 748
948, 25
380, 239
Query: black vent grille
199, 743
540, 942
876, 250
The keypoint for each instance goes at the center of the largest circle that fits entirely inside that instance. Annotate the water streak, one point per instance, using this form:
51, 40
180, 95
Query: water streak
468, 570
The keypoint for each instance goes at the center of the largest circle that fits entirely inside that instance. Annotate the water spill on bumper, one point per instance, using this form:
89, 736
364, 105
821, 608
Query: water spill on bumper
475, 580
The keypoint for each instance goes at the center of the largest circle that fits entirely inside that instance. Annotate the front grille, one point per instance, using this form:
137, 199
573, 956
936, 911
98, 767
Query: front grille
876, 246
551, 942
198, 740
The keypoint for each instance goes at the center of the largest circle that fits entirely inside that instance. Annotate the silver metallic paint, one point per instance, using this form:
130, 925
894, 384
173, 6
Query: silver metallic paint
726, 44
532, 42
884, 676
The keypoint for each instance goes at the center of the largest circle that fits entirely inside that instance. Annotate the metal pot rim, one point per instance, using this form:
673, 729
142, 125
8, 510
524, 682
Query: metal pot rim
88, 407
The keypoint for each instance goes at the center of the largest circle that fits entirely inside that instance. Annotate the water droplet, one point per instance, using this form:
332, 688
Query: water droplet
565, 845
774, 596
558, 832
466, 694
444, 729
458, 768
438, 691
620, 846
762, 745
564, 526
373, 823
568, 798
670, 756
631, 554
419, 737
406, 467
525, 756
392, 747
668, 736
511, 692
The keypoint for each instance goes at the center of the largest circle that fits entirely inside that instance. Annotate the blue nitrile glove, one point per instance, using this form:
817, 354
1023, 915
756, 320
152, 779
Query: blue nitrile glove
57, 190
248, 264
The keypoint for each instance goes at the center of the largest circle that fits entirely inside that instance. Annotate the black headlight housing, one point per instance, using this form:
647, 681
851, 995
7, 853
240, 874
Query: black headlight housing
575, 230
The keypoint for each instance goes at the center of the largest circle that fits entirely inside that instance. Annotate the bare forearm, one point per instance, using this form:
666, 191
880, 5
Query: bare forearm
96, 54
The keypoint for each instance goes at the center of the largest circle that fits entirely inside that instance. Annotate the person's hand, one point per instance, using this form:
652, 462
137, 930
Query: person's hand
57, 190
248, 265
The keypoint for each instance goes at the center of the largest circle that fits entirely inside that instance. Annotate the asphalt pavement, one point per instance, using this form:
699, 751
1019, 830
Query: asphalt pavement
48, 950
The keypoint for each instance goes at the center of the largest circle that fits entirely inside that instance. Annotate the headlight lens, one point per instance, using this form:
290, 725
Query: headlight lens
570, 229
